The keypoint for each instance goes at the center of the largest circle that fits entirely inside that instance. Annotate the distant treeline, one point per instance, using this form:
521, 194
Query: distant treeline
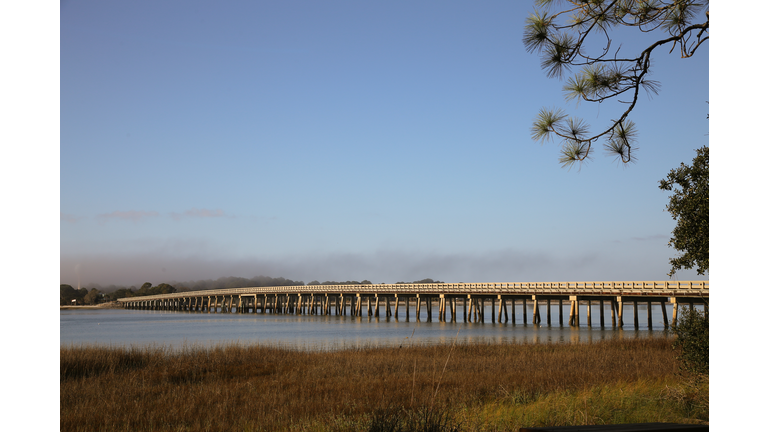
423, 281
69, 295
365, 282
95, 293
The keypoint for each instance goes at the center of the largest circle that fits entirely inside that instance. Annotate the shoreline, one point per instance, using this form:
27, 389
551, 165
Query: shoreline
110, 305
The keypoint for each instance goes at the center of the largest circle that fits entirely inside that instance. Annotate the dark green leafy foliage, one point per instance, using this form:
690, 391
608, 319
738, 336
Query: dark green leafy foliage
689, 206
692, 343
67, 293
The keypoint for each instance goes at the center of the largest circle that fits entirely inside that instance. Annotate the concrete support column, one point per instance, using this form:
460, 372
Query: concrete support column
397, 305
525, 312
634, 308
464, 308
358, 305
493, 308
471, 307
407, 308
578, 313
549, 312
675, 309
650, 317
418, 308
602, 313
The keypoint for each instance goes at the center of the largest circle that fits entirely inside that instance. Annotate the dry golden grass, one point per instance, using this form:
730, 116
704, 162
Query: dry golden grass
484, 387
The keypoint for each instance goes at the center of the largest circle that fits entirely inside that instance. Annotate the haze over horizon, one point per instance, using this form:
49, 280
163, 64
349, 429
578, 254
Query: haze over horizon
348, 141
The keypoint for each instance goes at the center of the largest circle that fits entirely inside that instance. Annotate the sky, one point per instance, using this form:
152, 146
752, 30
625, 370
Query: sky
347, 140
352, 140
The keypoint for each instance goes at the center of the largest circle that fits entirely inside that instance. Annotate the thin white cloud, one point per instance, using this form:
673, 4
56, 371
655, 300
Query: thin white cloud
66, 217
652, 237
198, 213
131, 215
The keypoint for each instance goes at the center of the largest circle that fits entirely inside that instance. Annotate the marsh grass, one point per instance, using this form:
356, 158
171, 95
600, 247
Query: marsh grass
437, 388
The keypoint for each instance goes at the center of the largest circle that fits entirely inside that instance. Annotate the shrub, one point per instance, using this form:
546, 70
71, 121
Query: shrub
692, 342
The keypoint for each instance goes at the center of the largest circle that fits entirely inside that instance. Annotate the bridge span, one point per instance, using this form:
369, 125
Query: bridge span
443, 298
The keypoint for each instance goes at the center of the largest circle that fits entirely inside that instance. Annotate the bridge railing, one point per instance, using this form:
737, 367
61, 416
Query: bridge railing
671, 288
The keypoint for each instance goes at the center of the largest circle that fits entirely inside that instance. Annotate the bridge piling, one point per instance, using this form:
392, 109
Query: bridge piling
525, 311
620, 311
636, 318
602, 313
501, 305
549, 312
467, 302
407, 309
650, 319
418, 308
304, 300
370, 310
397, 304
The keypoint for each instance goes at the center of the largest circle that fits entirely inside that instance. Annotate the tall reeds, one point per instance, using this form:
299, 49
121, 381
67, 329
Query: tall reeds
461, 387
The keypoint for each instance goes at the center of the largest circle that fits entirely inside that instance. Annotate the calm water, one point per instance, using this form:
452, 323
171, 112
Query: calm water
120, 327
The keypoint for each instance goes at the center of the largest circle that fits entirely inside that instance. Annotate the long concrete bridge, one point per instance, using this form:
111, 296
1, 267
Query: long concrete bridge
443, 298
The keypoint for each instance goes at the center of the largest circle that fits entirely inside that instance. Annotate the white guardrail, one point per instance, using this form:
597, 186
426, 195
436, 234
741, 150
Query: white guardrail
669, 288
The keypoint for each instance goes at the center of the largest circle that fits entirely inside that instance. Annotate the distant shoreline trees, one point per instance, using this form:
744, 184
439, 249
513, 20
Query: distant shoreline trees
364, 282
112, 292
423, 281
95, 294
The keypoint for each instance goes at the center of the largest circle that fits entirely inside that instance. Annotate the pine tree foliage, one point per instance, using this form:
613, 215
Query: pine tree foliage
561, 39
689, 206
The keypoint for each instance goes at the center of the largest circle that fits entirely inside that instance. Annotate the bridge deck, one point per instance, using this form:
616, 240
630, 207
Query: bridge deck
334, 299
698, 289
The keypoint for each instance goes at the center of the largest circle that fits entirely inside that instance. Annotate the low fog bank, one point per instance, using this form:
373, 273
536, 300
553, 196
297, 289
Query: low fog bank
103, 271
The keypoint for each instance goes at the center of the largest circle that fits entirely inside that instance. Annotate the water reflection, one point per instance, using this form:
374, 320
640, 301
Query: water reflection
319, 332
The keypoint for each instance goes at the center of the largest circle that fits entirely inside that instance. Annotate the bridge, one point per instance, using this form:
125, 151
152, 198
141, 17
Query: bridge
443, 298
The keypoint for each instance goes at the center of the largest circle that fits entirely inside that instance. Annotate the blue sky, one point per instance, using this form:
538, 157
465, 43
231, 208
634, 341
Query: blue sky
345, 140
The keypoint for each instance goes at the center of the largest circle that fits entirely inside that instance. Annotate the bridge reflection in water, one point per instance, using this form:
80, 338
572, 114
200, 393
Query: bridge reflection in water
442, 300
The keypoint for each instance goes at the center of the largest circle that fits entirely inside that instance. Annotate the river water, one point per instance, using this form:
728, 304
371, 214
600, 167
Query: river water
119, 327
